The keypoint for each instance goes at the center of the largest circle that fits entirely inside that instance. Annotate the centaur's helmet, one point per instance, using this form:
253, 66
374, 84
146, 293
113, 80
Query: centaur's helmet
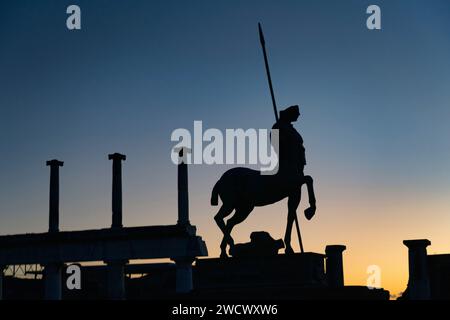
290, 114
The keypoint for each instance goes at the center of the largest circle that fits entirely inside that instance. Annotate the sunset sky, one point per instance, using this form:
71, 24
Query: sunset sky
375, 115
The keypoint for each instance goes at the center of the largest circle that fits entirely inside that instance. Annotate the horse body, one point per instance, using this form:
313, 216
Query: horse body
242, 189
239, 186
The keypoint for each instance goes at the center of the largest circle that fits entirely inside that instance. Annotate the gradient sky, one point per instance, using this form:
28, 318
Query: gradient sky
375, 108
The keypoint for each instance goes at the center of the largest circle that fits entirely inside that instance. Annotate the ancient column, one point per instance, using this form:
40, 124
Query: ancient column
52, 281
334, 265
116, 279
116, 268
117, 189
184, 283
419, 282
52, 271
54, 195
183, 195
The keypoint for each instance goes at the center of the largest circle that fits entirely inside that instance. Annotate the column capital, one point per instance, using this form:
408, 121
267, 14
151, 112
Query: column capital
117, 156
417, 243
55, 163
335, 249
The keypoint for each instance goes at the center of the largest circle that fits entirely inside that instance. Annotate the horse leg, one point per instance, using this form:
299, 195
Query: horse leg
293, 203
224, 211
240, 215
309, 212
309, 184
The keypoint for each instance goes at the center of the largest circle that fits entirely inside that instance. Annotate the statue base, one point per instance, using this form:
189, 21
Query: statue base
301, 269
299, 276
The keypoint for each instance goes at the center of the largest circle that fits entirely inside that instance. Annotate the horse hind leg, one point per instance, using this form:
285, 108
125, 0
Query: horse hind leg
224, 211
293, 203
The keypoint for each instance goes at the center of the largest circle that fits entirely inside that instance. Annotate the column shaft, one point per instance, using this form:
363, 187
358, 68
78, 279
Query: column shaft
334, 265
183, 193
116, 280
52, 281
54, 195
184, 283
117, 189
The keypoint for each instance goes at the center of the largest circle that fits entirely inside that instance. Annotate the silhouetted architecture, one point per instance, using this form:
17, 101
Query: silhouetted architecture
183, 193
429, 275
52, 275
117, 159
293, 276
115, 271
439, 272
418, 283
255, 269
54, 195
335, 267
115, 246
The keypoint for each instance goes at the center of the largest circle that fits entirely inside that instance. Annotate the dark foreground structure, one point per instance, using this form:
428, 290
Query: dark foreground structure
34, 265
114, 246
276, 277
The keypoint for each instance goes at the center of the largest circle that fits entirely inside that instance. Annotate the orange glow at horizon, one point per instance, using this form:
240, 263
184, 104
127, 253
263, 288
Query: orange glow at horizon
371, 222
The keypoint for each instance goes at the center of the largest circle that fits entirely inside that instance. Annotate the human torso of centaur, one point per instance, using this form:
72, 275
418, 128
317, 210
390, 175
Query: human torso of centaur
291, 152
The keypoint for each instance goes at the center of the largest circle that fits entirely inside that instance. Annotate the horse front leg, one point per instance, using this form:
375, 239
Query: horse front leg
293, 203
240, 215
311, 211
226, 240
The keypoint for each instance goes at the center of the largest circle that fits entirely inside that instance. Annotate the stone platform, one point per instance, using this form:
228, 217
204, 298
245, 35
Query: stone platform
299, 276
299, 270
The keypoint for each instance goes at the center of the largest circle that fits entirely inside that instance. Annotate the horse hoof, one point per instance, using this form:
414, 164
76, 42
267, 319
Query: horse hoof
288, 250
223, 255
310, 212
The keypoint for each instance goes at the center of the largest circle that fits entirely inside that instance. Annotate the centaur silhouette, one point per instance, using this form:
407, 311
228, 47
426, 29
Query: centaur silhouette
243, 189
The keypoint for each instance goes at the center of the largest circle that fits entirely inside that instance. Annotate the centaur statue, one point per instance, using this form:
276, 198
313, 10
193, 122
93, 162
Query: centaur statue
243, 189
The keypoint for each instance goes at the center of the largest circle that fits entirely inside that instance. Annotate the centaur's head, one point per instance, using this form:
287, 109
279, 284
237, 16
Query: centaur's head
290, 114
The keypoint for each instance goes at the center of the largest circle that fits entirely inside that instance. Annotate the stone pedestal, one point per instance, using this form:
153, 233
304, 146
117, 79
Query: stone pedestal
302, 269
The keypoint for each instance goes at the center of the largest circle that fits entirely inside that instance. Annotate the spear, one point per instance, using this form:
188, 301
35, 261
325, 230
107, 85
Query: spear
274, 104
269, 78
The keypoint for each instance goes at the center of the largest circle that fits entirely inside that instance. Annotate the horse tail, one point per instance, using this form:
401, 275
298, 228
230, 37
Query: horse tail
215, 194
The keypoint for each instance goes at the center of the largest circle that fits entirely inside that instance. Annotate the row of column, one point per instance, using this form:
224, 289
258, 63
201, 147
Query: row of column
53, 271
116, 192
115, 273
419, 280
